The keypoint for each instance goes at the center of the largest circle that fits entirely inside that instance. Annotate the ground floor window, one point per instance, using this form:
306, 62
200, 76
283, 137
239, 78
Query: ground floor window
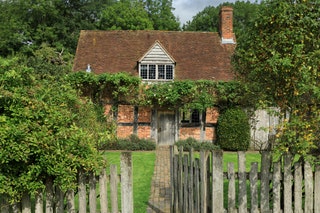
190, 116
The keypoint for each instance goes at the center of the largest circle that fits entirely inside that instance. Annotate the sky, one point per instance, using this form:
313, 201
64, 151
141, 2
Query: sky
186, 9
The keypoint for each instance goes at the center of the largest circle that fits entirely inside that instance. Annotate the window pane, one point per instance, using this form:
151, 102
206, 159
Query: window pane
161, 72
169, 72
195, 116
152, 71
144, 72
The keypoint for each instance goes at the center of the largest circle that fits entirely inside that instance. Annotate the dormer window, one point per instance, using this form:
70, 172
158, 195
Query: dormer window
156, 64
156, 71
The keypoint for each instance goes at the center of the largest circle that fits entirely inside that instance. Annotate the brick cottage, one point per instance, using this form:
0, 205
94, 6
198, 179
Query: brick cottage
161, 56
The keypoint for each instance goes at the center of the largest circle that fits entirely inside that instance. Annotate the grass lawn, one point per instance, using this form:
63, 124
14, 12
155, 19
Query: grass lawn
143, 165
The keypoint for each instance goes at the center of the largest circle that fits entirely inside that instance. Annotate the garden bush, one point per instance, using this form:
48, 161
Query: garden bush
233, 130
132, 143
189, 143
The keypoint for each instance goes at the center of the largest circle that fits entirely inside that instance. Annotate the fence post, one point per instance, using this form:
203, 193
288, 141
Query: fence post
242, 182
49, 195
16, 207
196, 186
203, 181
126, 183
114, 188
4, 204
180, 179
26, 203
276, 186
92, 193
39, 202
308, 185
191, 183
297, 187
82, 192
317, 188
103, 191
217, 182
70, 201
254, 187
231, 189
59, 200
185, 184
287, 183
265, 181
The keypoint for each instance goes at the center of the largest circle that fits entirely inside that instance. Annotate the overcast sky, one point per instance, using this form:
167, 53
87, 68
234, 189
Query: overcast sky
186, 9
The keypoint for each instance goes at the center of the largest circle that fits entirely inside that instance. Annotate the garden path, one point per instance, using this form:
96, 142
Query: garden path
160, 196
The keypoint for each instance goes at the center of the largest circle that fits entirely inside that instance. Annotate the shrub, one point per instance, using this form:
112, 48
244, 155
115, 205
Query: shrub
189, 143
132, 143
233, 130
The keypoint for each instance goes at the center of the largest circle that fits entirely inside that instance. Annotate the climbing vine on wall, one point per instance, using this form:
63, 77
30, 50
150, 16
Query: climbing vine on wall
122, 87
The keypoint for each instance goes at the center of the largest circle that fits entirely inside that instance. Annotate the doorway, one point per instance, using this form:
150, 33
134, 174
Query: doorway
166, 127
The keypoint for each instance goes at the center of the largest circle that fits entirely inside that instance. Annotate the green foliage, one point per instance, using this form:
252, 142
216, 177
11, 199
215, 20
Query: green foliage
26, 24
120, 87
46, 131
187, 94
133, 143
233, 131
160, 12
279, 61
208, 19
199, 95
125, 15
189, 143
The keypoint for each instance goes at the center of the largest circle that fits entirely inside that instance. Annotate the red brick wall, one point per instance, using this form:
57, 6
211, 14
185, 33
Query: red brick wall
212, 115
124, 131
144, 132
210, 134
186, 132
125, 114
144, 114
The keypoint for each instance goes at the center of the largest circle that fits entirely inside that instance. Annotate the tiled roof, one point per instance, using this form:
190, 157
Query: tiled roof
198, 55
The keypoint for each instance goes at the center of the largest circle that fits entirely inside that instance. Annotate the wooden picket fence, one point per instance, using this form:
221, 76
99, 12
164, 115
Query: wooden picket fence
53, 200
201, 185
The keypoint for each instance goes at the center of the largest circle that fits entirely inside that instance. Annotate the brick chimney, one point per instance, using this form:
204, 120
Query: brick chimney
226, 25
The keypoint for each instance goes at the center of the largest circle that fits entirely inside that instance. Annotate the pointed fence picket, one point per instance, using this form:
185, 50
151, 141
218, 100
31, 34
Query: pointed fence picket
200, 185
53, 200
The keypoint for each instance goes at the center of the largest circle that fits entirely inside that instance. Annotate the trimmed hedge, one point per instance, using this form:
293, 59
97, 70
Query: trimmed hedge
133, 143
189, 143
233, 130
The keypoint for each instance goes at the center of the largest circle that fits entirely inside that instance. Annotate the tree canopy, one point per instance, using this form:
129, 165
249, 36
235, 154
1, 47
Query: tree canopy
28, 24
278, 58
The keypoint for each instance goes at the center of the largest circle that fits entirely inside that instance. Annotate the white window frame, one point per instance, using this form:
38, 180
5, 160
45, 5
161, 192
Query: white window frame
156, 78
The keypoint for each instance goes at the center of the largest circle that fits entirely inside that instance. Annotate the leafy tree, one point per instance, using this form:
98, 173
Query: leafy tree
279, 60
46, 131
125, 15
160, 12
27, 24
208, 18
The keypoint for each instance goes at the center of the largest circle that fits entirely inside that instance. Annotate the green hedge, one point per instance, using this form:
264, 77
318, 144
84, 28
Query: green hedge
233, 130
189, 143
133, 143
